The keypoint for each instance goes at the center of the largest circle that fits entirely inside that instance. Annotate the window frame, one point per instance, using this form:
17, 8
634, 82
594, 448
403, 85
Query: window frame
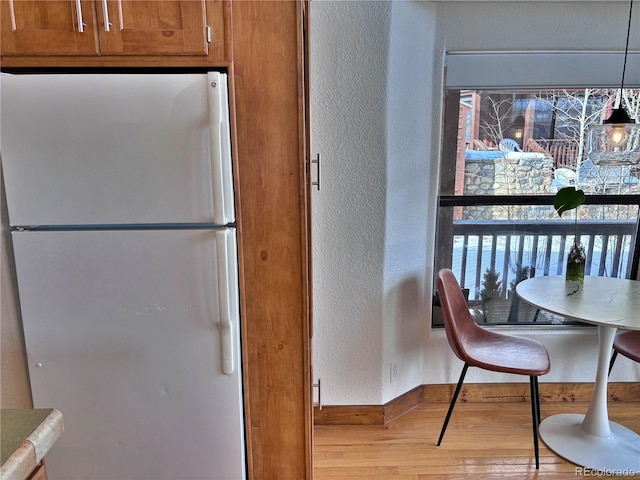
447, 197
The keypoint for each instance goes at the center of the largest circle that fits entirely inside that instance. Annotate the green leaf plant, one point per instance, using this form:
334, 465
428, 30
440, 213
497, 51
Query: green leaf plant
568, 198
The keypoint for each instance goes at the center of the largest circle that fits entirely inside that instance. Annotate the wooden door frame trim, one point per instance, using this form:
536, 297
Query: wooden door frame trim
272, 227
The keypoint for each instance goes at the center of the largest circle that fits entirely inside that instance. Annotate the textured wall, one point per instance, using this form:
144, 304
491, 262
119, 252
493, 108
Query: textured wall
369, 103
376, 97
409, 177
349, 211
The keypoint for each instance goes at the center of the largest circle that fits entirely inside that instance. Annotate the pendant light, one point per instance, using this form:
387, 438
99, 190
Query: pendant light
518, 128
617, 140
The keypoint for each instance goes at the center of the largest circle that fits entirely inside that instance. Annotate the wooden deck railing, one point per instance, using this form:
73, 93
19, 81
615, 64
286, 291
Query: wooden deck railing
563, 152
514, 248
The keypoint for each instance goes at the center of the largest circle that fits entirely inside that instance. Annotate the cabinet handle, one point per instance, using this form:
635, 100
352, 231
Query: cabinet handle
79, 15
105, 14
209, 35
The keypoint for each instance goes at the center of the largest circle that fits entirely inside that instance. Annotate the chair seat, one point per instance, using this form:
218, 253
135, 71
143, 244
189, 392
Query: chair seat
628, 344
506, 353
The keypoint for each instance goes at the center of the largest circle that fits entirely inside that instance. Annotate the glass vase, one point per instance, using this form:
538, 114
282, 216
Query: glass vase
576, 262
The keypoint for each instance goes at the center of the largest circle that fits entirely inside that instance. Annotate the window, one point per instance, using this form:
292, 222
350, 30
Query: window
506, 151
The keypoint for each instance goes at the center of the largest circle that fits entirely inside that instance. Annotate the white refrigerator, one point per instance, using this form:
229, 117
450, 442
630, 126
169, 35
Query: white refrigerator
120, 197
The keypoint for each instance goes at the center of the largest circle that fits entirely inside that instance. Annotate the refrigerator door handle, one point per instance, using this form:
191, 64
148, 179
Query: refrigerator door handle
228, 297
220, 148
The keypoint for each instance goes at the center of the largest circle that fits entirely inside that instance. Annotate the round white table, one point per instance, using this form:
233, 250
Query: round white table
591, 440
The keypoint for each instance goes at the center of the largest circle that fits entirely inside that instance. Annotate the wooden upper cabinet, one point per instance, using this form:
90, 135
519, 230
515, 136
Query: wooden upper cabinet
48, 27
152, 27
114, 27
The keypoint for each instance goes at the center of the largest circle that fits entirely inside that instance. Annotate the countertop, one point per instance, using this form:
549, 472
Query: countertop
25, 437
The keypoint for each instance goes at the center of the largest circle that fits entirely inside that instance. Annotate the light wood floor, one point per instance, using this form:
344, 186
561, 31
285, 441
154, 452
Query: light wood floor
483, 441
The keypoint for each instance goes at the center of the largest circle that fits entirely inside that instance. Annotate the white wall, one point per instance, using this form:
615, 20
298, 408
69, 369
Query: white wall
405, 279
349, 240
376, 90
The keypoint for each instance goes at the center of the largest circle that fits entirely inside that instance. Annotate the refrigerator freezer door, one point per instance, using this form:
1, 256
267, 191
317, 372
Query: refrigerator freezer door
122, 331
83, 149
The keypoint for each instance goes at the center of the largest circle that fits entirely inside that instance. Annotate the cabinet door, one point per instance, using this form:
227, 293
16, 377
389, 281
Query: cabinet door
150, 27
48, 27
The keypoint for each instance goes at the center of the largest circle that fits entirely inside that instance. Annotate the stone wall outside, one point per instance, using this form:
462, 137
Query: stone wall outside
502, 176
527, 176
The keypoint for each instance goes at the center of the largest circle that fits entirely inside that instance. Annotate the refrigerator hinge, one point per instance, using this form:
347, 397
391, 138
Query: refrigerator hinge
209, 35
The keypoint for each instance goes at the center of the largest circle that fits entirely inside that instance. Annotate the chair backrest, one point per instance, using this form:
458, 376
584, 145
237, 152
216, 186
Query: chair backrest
458, 322
509, 145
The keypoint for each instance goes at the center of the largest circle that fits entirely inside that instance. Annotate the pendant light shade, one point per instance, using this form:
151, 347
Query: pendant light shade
617, 140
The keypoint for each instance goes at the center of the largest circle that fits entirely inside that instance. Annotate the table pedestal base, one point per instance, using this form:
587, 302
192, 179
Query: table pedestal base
619, 451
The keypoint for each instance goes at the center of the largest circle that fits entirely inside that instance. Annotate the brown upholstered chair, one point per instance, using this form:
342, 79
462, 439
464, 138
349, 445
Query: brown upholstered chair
482, 348
626, 343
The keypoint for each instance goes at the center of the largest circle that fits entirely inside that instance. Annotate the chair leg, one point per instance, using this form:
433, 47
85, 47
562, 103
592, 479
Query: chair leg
535, 316
614, 354
535, 415
535, 384
453, 402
